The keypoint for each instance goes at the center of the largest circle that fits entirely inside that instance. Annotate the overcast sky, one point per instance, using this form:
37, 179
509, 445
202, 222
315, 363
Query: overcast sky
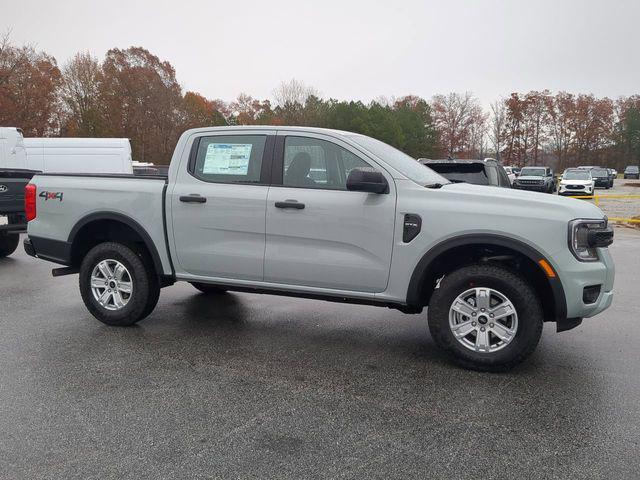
355, 49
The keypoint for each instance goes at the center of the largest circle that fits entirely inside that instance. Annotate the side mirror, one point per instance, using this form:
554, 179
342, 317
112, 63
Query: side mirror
370, 181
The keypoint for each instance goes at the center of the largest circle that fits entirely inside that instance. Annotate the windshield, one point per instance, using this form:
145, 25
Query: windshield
576, 175
402, 162
532, 172
466, 172
599, 172
632, 169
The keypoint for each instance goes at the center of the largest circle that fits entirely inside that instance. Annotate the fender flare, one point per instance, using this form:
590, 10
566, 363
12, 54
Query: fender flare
128, 221
423, 266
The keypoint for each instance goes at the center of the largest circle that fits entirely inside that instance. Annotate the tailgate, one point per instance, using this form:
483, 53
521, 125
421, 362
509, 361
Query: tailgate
12, 184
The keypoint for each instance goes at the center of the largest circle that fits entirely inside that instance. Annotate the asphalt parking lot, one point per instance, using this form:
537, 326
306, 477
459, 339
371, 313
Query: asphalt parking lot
256, 386
620, 207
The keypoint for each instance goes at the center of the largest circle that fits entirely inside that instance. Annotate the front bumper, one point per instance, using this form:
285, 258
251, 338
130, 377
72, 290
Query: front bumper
568, 192
576, 275
534, 188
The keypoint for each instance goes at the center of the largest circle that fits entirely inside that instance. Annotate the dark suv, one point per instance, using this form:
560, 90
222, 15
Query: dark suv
538, 179
477, 172
601, 178
632, 171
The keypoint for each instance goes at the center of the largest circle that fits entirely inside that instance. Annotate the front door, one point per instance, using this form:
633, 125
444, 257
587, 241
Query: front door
218, 206
318, 233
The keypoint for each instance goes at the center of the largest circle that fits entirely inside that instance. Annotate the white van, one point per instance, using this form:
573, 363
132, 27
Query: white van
12, 151
64, 155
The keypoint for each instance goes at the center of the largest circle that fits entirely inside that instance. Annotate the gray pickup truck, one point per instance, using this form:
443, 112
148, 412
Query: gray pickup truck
331, 215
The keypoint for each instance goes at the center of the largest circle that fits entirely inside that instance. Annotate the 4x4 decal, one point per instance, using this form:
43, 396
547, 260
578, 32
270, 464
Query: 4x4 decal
51, 195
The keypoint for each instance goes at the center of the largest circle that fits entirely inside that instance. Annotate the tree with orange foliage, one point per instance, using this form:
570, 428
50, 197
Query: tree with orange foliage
29, 81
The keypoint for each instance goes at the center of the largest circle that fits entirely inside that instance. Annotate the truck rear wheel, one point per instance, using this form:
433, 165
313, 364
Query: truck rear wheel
8, 244
118, 286
487, 316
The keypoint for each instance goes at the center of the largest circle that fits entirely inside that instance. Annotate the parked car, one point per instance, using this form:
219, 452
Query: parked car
538, 179
477, 172
510, 173
576, 181
632, 171
612, 176
239, 211
12, 182
601, 178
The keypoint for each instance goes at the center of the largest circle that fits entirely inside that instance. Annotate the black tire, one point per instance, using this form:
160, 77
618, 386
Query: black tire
207, 288
8, 244
515, 288
146, 288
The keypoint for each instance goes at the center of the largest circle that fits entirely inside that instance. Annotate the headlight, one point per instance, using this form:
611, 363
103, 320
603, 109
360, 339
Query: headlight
585, 236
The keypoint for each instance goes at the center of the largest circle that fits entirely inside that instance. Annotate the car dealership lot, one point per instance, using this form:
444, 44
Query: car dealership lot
273, 387
620, 207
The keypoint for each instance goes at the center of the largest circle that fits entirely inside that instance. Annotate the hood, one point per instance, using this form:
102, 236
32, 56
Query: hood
576, 182
530, 204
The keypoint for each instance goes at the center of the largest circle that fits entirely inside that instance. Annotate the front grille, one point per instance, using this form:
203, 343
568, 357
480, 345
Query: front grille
531, 182
574, 187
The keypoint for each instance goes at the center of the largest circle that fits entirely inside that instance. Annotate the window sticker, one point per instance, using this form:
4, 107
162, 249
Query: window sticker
227, 159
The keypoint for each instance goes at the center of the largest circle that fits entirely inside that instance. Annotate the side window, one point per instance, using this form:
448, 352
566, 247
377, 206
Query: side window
492, 174
503, 177
315, 163
229, 159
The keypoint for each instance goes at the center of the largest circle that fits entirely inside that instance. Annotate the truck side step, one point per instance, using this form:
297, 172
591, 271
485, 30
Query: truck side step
60, 272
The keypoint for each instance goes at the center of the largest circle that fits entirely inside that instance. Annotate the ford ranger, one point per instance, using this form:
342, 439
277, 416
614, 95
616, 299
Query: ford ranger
329, 215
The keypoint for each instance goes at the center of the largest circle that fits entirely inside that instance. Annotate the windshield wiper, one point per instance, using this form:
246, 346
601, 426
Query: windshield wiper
435, 185
458, 181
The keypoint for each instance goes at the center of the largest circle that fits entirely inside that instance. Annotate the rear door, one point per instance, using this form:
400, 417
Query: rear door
218, 206
318, 233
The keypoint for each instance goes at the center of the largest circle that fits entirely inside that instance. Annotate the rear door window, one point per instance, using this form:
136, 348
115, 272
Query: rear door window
229, 158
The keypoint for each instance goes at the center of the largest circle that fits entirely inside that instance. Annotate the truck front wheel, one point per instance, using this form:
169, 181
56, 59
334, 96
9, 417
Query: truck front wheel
8, 244
117, 285
487, 316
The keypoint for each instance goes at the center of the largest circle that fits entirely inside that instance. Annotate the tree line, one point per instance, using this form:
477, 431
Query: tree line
132, 93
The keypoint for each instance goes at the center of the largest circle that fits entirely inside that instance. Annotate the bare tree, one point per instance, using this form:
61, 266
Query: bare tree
291, 98
454, 116
497, 125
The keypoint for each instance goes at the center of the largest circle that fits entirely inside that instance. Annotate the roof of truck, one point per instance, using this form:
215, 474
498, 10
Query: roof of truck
329, 131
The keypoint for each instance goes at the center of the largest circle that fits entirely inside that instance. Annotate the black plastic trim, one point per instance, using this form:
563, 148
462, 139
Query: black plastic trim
317, 296
562, 325
28, 247
127, 221
166, 230
56, 251
278, 162
417, 278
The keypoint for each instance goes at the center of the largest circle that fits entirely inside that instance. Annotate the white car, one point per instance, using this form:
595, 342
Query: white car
510, 173
576, 181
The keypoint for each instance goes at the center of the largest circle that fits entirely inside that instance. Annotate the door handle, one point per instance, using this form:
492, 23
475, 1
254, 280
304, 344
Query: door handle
290, 204
193, 198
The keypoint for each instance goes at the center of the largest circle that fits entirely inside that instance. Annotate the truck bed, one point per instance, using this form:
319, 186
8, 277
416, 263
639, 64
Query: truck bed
74, 200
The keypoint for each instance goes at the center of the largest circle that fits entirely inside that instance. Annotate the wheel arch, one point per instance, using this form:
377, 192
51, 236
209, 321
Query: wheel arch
459, 251
110, 226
